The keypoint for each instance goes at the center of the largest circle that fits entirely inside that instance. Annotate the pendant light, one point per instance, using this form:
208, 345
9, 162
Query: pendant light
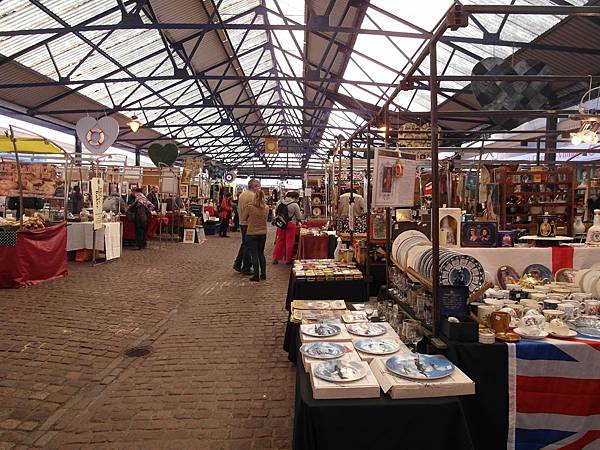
134, 123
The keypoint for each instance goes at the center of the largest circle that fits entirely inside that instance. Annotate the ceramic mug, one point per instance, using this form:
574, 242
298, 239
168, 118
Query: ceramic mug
559, 297
517, 308
538, 296
500, 321
550, 314
571, 309
592, 307
484, 312
551, 303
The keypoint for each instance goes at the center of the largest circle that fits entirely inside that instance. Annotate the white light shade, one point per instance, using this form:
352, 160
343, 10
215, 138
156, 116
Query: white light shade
576, 139
134, 124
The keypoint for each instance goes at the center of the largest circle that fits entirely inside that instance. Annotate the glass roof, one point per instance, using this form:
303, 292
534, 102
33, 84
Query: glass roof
142, 64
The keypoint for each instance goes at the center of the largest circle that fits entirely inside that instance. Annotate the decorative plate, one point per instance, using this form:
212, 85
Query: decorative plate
322, 350
426, 367
462, 270
538, 271
579, 276
509, 336
526, 335
321, 330
566, 275
405, 246
316, 201
589, 331
505, 275
340, 371
377, 346
403, 237
589, 280
415, 253
366, 329
316, 211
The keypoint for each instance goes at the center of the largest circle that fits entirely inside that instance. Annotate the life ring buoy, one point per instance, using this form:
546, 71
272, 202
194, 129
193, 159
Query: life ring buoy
95, 137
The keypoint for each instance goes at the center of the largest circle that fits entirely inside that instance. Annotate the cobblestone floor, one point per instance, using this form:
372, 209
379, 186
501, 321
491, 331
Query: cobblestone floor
217, 377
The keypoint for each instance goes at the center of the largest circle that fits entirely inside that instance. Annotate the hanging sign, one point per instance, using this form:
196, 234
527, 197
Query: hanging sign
389, 189
271, 145
97, 135
97, 202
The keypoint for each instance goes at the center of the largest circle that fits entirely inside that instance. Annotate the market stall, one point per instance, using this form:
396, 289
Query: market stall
315, 243
107, 239
32, 250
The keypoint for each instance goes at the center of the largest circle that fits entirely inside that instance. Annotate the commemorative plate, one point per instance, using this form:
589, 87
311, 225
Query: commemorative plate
425, 367
462, 270
321, 330
538, 271
339, 371
507, 275
377, 346
322, 350
366, 329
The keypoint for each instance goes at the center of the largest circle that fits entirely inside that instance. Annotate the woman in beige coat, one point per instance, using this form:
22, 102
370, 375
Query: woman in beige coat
256, 215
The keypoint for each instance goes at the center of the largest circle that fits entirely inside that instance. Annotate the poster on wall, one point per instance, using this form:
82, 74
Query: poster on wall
37, 180
393, 180
132, 175
97, 197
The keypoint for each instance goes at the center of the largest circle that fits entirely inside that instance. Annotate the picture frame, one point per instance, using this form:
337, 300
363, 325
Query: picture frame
194, 191
390, 190
506, 238
478, 234
184, 190
378, 226
546, 226
189, 235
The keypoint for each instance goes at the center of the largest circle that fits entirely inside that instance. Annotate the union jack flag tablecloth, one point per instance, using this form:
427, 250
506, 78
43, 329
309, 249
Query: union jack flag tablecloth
554, 394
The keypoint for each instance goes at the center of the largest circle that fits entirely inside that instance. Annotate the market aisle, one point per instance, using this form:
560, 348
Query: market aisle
216, 378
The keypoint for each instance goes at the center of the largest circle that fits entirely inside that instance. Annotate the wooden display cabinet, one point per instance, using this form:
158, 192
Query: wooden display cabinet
527, 194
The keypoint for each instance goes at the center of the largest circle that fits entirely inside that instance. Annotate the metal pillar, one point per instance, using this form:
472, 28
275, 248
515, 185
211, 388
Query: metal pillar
77, 151
137, 156
551, 137
435, 184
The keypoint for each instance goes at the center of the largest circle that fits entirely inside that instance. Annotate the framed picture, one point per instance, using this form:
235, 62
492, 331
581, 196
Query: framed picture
378, 226
189, 236
194, 191
184, 190
393, 188
506, 238
478, 234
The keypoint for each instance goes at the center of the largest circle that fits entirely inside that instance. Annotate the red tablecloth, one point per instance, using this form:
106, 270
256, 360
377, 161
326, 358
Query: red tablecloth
129, 227
313, 247
40, 255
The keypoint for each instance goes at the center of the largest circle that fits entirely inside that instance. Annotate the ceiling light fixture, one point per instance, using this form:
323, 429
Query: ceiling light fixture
590, 121
134, 123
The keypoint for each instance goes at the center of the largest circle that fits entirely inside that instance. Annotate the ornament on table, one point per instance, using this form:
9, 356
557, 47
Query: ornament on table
593, 235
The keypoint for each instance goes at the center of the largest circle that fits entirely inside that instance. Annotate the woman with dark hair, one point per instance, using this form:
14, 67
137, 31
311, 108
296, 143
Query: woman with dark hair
225, 214
256, 215
139, 211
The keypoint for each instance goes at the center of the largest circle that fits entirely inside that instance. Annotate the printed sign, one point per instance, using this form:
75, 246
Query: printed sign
97, 202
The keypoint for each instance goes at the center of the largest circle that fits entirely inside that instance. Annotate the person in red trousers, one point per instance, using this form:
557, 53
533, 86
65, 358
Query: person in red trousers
284, 243
225, 214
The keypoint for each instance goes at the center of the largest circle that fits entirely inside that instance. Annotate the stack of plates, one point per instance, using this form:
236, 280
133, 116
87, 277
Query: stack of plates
413, 249
404, 242
589, 282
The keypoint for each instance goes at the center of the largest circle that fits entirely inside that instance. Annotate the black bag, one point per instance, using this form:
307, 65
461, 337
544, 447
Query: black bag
131, 212
282, 216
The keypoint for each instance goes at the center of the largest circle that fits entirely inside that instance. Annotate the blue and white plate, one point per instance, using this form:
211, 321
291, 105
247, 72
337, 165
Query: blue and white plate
321, 329
339, 371
538, 271
426, 367
462, 270
377, 346
322, 350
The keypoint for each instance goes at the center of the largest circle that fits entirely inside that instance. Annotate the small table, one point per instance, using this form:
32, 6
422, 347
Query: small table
377, 423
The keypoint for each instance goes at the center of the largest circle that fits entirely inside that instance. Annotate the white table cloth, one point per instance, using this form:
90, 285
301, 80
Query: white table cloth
108, 238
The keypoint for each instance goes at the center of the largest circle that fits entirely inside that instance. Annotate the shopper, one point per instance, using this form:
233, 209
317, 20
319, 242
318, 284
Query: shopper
344, 203
139, 212
153, 197
114, 203
286, 231
76, 200
225, 214
255, 216
243, 262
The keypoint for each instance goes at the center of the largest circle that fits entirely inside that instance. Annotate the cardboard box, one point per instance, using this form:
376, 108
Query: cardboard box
397, 387
367, 387
367, 357
319, 304
350, 355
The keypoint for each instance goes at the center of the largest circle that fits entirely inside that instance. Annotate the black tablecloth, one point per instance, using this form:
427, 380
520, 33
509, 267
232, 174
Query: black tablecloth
378, 423
349, 290
487, 410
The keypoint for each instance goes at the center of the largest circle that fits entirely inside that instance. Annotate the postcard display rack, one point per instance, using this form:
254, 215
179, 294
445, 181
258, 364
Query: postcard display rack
352, 330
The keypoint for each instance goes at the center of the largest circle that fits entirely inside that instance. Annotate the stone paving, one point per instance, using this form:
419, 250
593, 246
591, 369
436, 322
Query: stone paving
216, 378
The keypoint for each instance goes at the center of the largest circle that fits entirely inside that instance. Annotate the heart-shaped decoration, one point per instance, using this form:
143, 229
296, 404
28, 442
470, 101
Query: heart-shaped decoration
511, 95
97, 135
163, 154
